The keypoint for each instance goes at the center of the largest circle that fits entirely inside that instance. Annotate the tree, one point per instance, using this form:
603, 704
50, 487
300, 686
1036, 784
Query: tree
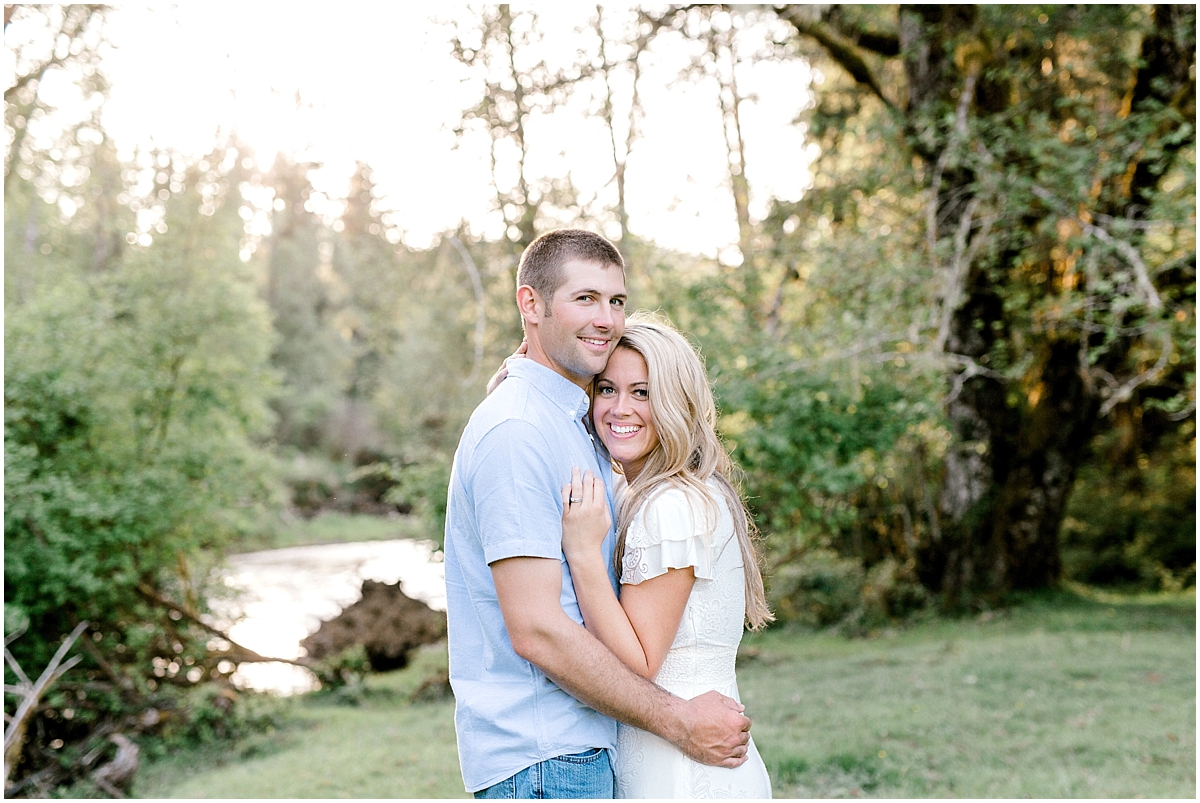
519, 87
619, 62
304, 295
1054, 148
135, 410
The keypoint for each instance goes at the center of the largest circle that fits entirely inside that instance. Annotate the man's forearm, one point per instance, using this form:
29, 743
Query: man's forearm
578, 662
709, 728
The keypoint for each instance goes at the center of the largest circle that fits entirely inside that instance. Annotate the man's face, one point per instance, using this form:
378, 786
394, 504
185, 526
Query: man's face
578, 330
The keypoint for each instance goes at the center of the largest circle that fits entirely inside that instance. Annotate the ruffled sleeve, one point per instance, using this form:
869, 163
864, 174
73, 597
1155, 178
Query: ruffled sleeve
671, 531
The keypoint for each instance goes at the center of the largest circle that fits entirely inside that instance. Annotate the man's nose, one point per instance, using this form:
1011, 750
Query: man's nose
604, 317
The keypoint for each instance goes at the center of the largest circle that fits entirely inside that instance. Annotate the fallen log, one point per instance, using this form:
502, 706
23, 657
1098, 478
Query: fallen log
387, 623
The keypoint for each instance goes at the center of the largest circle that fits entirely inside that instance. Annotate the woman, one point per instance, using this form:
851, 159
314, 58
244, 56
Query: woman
688, 569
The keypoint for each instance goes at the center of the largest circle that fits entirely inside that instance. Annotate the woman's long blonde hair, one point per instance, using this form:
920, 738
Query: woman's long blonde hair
689, 452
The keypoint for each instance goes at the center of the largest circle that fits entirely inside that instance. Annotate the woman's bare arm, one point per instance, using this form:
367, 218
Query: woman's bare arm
640, 627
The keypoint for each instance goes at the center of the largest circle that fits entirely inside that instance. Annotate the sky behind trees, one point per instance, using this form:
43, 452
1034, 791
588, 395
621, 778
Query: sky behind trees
377, 83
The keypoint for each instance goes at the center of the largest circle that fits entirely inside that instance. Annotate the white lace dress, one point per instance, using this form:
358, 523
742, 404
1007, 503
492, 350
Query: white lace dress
670, 533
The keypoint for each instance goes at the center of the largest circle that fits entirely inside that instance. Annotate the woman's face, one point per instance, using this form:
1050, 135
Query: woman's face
621, 411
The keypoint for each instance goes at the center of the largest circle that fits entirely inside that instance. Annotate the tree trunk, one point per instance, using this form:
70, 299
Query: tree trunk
1007, 481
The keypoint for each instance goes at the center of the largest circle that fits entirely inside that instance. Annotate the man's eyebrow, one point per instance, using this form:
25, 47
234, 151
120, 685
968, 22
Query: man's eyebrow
593, 291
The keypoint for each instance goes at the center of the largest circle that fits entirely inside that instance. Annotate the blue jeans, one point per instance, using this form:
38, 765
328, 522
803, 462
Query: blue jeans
581, 775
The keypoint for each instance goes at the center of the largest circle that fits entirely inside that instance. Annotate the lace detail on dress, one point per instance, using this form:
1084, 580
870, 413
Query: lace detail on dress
703, 666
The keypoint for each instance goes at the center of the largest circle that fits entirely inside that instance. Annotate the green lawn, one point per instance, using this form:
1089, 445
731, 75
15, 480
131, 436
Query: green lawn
383, 747
332, 528
1062, 697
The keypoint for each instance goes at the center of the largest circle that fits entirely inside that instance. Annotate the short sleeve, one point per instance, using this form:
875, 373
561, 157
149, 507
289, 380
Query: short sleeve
515, 492
671, 531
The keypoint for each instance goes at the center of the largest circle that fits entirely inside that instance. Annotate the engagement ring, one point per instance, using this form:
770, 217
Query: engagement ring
575, 500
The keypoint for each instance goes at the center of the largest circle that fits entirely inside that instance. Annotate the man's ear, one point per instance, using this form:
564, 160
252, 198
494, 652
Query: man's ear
529, 303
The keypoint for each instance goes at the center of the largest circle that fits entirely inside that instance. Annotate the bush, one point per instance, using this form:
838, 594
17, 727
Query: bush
422, 485
136, 401
892, 592
823, 589
1135, 525
215, 712
345, 669
819, 589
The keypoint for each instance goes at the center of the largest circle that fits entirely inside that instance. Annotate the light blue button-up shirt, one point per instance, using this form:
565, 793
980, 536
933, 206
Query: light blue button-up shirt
505, 501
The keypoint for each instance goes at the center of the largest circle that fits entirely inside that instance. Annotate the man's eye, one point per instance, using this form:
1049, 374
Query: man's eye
584, 298
618, 302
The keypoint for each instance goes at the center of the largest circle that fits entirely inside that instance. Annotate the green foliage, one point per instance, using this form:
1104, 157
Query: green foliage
211, 713
382, 348
822, 589
1026, 200
135, 396
422, 486
343, 674
892, 592
818, 590
1135, 524
311, 353
801, 439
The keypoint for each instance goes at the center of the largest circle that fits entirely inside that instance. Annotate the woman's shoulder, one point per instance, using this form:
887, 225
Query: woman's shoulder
678, 526
673, 512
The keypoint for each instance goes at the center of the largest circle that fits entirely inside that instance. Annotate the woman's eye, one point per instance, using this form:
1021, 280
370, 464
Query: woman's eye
640, 394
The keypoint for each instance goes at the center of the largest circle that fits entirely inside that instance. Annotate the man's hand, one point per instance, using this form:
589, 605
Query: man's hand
717, 732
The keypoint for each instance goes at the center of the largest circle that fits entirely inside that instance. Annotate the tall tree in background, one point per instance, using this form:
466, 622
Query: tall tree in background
1056, 149
135, 409
365, 264
619, 63
519, 86
304, 294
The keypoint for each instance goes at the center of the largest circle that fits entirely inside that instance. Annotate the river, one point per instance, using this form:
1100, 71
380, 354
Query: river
285, 594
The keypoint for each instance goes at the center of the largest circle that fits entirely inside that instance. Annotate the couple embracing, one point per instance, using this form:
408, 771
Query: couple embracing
599, 567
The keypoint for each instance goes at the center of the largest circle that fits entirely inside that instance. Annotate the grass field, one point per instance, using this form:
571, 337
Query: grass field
1064, 696
332, 528
382, 747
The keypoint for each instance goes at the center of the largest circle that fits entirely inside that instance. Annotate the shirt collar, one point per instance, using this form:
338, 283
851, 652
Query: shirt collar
557, 388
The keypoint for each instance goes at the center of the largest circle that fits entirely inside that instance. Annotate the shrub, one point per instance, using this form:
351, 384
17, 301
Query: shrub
819, 589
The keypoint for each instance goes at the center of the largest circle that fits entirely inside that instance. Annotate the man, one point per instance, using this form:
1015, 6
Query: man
536, 693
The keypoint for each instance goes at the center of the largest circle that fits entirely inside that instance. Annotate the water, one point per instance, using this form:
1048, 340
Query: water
287, 593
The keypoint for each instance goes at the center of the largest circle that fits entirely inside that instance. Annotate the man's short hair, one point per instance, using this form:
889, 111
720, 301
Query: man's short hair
541, 264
